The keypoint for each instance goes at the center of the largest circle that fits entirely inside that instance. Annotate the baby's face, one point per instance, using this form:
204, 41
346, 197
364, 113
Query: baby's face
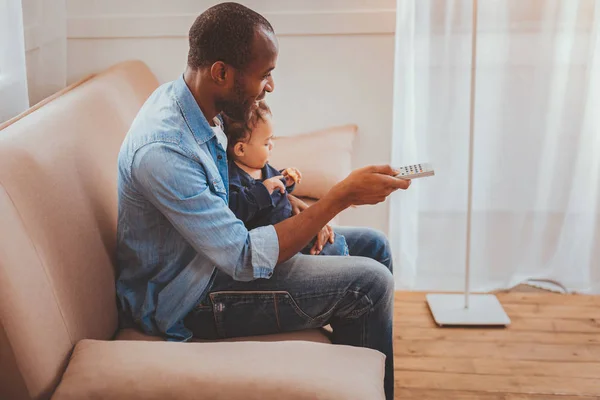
258, 149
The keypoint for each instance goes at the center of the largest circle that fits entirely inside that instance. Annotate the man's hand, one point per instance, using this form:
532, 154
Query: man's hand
325, 235
297, 205
291, 175
368, 185
274, 183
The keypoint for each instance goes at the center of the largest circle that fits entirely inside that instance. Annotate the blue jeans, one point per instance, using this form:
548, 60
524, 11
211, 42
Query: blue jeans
339, 247
353, 294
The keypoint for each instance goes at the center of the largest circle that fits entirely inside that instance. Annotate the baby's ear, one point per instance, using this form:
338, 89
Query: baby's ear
238, 149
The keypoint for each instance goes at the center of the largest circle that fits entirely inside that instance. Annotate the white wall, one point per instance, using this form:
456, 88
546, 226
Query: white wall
335, 64
45, 47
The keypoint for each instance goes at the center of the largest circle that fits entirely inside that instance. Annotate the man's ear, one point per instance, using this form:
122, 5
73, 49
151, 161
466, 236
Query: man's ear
239, 149
220, 72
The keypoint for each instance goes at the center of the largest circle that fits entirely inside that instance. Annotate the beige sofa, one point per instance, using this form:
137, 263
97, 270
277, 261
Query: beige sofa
58, 317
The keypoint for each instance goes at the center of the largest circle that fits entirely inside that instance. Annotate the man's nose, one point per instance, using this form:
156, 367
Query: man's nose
270, 86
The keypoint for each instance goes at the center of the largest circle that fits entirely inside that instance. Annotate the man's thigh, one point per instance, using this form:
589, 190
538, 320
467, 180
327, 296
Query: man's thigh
304, 292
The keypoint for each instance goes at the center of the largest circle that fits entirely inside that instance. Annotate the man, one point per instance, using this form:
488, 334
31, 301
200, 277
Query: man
187, 266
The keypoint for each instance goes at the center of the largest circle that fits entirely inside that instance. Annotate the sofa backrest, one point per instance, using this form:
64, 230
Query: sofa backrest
58, 214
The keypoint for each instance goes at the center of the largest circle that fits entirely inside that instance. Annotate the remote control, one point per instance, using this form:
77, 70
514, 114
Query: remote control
416, 171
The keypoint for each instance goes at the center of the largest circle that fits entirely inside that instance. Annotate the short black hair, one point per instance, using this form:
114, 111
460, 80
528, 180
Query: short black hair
224, 33
241, 131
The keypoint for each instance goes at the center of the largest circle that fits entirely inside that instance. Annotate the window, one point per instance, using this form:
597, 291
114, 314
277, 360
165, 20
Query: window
13, 77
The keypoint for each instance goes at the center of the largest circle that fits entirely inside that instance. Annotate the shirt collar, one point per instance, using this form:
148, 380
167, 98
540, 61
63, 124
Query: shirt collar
192, 113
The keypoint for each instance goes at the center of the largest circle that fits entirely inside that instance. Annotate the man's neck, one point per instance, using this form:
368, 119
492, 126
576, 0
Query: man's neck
202, 94
256, 173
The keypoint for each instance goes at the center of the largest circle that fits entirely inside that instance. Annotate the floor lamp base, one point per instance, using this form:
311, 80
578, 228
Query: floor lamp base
484, 310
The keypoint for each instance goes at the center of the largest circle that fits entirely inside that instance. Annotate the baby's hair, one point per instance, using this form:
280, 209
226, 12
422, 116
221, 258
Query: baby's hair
240, 131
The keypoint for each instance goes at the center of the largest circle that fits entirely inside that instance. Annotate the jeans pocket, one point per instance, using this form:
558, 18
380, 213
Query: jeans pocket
201, 321
249, 313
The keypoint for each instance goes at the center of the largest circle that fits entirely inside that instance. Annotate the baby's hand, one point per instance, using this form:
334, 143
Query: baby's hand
325, 235
273, 184
292, 175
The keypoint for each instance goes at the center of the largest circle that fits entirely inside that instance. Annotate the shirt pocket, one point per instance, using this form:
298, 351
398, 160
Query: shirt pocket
218, 187
215, 181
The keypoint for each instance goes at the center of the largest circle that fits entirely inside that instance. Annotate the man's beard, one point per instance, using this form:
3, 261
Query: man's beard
237, 108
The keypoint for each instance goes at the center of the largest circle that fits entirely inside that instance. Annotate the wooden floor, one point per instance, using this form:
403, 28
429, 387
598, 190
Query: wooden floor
551, 351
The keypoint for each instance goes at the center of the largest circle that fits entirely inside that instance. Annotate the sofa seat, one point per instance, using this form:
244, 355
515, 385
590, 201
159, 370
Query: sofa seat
291, 370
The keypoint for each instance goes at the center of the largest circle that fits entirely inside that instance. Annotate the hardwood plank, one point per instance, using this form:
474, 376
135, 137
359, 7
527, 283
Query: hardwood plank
519, 310
424, 320
409, 297
511, 396
432, 394
552, 310
417, 321
501, 351
575, 300
498, 384
491, 366
495, 335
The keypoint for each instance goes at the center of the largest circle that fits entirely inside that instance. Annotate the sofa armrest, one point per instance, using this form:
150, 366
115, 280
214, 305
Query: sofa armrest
244, 370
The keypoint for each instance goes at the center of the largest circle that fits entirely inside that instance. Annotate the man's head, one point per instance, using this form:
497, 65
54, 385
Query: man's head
250, 142
236, 47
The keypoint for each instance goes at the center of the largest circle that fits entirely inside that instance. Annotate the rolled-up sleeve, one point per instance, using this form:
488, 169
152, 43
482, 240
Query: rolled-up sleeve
177, 185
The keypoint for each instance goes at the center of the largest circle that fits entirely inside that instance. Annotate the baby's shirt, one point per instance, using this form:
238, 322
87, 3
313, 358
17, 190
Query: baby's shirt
251, 201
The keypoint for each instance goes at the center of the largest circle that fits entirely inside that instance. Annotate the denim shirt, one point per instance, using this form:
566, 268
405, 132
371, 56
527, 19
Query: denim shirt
251, 201
174, 224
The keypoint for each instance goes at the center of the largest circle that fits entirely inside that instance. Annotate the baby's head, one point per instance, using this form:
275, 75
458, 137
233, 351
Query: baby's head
250, 142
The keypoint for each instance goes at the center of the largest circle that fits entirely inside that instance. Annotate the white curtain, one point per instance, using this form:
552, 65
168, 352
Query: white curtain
536, 181
13, 81
33, 52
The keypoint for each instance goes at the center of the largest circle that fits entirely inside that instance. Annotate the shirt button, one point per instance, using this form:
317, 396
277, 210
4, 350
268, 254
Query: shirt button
219, 157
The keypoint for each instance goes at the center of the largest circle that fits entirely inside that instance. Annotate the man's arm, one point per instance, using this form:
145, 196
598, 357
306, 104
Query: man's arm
177, 186
369, 185
326, 234
296, 232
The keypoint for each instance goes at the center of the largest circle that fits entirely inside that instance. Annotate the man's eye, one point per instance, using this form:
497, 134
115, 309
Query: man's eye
267, 76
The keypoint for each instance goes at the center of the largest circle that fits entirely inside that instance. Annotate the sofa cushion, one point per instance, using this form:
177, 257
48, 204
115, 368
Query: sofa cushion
221, 371
323, 157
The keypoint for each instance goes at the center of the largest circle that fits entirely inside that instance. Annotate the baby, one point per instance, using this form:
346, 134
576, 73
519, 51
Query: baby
257, 191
